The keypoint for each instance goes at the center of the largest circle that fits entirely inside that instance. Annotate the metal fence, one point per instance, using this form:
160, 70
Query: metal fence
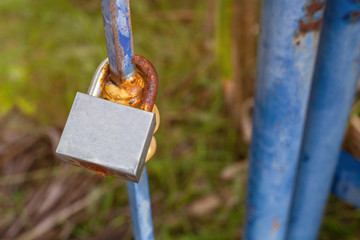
308, 68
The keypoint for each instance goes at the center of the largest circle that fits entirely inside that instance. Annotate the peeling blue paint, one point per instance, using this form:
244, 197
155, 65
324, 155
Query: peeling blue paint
336, 75
125, 36
285, 67
121, 14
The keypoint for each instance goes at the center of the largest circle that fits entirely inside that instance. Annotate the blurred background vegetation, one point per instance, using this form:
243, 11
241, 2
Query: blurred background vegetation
204, 52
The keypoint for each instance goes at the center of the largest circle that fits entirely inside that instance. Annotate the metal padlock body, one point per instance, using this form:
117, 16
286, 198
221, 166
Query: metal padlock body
104, 136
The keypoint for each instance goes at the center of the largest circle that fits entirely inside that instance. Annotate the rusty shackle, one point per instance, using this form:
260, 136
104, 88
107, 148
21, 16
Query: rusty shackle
139, 91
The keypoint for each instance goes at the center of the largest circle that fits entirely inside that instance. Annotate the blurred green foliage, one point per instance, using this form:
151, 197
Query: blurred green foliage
50, 49
224, 15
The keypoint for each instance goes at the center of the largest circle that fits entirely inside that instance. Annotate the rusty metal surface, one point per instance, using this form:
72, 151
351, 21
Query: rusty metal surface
139, 91
151, 82
311, 22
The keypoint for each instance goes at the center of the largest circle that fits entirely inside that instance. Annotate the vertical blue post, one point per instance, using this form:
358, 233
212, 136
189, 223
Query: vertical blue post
287, 50
347, 179
334, 85
119, 42
119, 39
140, 205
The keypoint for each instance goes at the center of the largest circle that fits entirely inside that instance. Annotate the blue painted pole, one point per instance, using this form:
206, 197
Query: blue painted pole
119, 39
334, 85
140, 205
287, 50
346, 184
119, 42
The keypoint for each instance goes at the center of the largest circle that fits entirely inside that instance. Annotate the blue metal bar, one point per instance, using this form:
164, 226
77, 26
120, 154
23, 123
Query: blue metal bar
119, 39
334, 85
119, 42
140, 205
287, 51
347, 179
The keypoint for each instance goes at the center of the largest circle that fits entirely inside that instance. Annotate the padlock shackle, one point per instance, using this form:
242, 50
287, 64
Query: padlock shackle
151, 82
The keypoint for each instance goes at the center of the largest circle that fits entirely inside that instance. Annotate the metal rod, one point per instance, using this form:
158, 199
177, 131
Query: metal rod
334, 86
347, 179
119, 39
287, 50
119, 42
140, 205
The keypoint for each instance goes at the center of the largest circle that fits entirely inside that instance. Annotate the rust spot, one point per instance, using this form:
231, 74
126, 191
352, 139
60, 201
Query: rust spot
99, 170
115, 79
352, 17
308, 27
313, 8
275, 226
106, 72
297, 43
355, 14
129, 92
309, 24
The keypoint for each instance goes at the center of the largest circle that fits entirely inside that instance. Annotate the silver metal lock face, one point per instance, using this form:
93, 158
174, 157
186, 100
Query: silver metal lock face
104, 136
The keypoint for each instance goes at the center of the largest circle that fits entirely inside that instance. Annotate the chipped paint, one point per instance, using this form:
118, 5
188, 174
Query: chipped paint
352, 17
308, 23
314, 7
286, 60
309, 27
118, 33
275, 226
334, 84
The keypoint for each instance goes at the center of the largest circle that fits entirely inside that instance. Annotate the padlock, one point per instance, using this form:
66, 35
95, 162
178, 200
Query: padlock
108, 137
